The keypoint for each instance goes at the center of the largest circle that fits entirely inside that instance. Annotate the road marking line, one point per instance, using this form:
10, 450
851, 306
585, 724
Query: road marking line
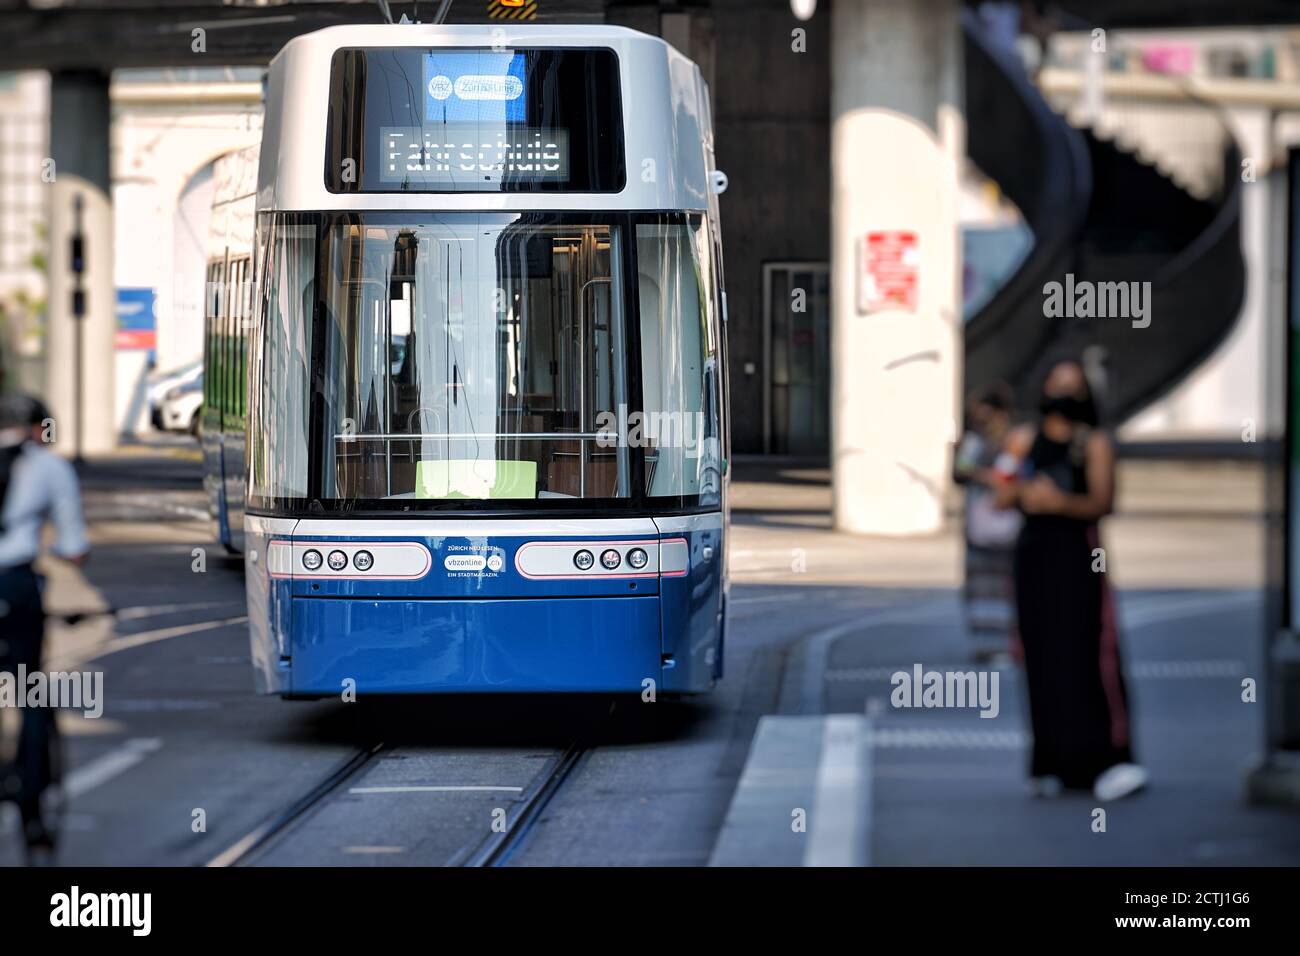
128, 641
903, 738
848, 601
803, 797
112, 764
374, 849
1135, 613
814, 651
135, 613
1189, 669
145, 705
864, 675
234, 852
1140, 611
840, 831
435, 789
1185, 669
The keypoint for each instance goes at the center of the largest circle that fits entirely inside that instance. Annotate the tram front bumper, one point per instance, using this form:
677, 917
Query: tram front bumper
570, 644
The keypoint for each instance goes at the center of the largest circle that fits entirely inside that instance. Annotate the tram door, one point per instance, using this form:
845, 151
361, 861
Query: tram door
587, 368
796, 317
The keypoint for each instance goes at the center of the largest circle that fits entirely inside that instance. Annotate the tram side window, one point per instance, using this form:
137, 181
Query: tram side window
214, 376
207, 336
238, 294
278, 422
245, 326
680, 365
236, 332
227, 321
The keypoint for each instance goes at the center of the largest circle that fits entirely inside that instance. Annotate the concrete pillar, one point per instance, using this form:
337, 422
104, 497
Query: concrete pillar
1275, 778
79, 146
897, 140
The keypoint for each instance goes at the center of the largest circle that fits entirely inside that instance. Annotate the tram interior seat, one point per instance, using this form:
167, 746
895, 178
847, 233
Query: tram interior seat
563, 476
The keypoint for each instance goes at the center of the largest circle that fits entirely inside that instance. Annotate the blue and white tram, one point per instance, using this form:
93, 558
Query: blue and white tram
487, 445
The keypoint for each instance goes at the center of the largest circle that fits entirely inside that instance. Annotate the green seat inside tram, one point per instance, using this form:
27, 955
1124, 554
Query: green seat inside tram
476, 478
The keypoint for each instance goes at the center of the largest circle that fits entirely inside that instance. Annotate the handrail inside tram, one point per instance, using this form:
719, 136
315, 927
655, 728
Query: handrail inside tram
405, 436
582, 379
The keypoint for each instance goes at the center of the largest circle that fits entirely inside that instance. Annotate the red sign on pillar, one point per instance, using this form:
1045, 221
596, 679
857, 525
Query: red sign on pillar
888, 271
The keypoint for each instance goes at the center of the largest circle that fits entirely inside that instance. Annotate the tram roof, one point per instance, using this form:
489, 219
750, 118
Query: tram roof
667, 127
506, 33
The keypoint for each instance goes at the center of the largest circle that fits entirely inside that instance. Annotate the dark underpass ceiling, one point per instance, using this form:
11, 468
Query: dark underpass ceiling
104, 34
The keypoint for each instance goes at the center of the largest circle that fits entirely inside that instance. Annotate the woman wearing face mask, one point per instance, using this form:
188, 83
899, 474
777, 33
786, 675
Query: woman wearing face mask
1061, 475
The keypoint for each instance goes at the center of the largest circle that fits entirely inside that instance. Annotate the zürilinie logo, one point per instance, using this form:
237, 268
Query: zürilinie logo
74, 909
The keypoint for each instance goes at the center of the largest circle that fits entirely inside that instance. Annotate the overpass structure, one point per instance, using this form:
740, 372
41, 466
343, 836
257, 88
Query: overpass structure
110, 34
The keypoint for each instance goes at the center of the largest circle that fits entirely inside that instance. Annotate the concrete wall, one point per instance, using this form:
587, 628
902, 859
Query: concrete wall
165, 136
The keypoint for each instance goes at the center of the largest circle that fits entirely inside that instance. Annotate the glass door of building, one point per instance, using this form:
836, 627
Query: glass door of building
796, 351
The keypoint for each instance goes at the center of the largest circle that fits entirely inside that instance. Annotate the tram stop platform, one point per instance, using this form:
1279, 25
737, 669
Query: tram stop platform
945, 786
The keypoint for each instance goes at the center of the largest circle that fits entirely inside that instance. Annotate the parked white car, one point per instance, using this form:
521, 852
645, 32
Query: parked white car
160, 384
180, 408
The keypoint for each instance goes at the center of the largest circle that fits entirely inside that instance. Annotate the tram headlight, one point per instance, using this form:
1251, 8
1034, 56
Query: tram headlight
583, 560
363, 560
311, 560
611, 559
637, 558
338, 560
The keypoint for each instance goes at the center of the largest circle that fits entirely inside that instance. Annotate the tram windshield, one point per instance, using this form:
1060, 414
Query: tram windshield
487, 359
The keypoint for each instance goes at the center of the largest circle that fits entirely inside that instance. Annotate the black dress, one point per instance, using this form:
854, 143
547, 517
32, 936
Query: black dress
1077, 699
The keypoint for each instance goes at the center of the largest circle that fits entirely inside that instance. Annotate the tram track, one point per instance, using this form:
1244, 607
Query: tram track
497, 847
493, 849
480, 846
242, 851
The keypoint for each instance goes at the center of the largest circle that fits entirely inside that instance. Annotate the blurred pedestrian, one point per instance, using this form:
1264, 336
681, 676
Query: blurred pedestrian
36, 487
988, 592
1060, 473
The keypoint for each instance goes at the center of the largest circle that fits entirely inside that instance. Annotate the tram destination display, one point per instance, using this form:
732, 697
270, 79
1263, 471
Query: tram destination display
451, 154
465, 120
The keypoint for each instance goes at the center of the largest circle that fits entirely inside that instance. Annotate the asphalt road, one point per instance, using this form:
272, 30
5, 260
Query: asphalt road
188, 767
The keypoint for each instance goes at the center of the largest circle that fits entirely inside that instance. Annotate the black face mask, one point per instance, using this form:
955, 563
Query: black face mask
1069, 407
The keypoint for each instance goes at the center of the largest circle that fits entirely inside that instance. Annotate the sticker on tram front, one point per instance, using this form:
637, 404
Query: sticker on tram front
469, 561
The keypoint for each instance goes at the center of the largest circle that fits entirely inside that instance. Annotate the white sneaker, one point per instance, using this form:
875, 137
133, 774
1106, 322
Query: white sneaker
1119, 781
1045, 788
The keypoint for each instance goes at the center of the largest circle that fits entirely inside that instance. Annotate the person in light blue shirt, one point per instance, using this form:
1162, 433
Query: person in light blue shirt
36, 488
42, 488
